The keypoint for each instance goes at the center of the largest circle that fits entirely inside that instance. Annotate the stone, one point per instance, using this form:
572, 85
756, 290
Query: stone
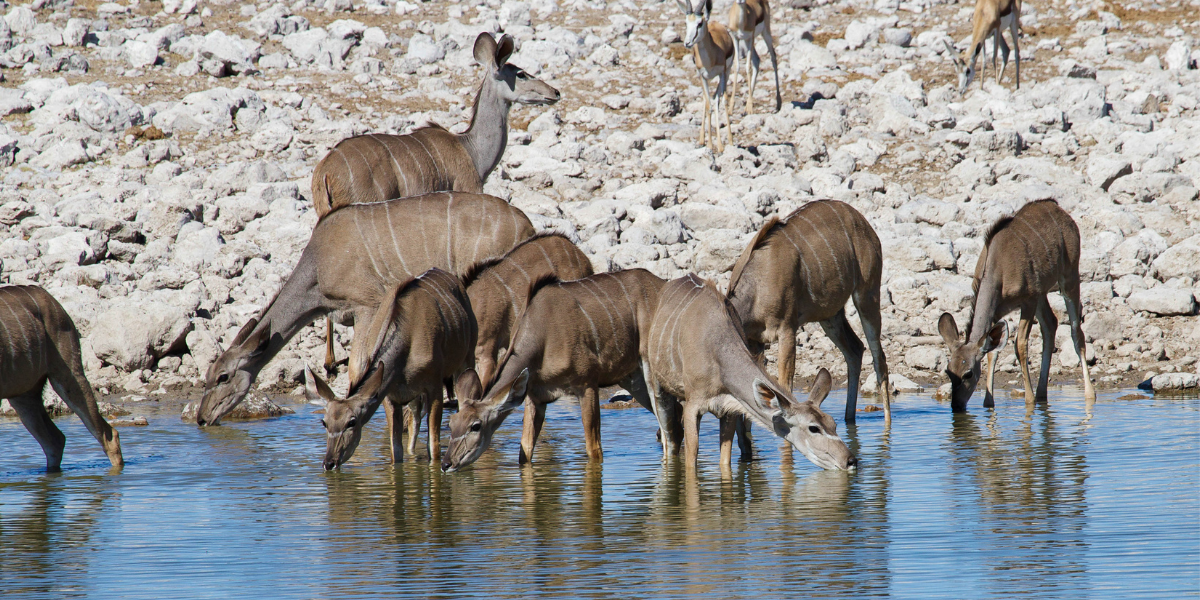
927, 358
1103, 170
897, 37
899, 384
275, 136
254, 407
1180, 260
219, 54
1178, 56
135, 334
1164, 302
422, 47
806, 56
140, 55
1171, 382
13, 101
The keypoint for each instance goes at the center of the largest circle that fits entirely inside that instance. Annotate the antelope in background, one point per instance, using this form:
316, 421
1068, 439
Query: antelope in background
574, 338
422, 336
991, 16
747, 19
1025, 257
698, 355
38, 344
713, 51
354, 256
803, 269
500, 289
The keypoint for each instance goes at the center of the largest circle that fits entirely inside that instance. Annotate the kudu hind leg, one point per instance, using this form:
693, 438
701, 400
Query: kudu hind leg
727, 429
39, 424
872, 324
1049, 323
589, 407
839, 331
434, 426
745, 438
1023, 329
1075, 313
535, 416
395, 430
69, 381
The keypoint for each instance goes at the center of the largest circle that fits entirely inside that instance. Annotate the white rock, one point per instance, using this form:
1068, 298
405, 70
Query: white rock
21, 20
1180, 260
1103, 170
806, 56
139, 54
275, 136
1164, 302
1178, 56
1172, 382
422, 47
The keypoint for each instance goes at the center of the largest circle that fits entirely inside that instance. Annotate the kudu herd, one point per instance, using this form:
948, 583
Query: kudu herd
453, 294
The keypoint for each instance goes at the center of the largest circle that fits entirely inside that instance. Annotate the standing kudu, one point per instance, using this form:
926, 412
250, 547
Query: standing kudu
747, 20
803, 269
990, 18
500, 288
422, 336
38, 344
1025, 257
574, 338
354, 256
713, 51
697, 354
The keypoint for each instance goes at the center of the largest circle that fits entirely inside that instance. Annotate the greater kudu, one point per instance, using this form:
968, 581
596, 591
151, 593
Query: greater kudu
803, 269
1025, 257
354, 256
499, 289
574, 338
38, 344
697, 354
747, 20
422, 336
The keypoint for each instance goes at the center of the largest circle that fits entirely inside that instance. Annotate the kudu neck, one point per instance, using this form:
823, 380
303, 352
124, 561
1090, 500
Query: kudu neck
738, 373
487, 136
983, 315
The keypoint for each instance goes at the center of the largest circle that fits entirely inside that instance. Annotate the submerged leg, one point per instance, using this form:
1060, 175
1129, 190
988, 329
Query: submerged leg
589, 406
1023, 329
1075, 313
39, 424
868, 313
535, 415
839, 332
1049, 323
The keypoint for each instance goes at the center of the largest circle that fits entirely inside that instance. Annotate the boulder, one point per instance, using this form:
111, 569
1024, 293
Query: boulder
252, 408
1165, 302
1180, 260
132, 335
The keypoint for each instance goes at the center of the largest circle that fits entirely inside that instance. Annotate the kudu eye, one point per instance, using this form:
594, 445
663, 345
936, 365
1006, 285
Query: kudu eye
223, 378
352, 423
814, 429
476, 426
323, 424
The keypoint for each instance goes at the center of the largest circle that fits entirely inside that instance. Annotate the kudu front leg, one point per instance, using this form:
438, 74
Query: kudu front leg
745, 438
589, 407
535, 416
839, 331
37, 421
434, 426
395, 430
727, 429
330, 359
1023, 329
691, 434
785, 338
1074, 312
1049, 323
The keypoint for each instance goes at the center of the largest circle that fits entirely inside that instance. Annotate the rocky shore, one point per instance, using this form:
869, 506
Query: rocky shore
156, 156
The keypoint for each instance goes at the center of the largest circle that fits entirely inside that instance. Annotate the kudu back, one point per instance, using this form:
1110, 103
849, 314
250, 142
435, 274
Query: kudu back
39, 344
804, 268
697, 356
354, 256
421, 338
574, 338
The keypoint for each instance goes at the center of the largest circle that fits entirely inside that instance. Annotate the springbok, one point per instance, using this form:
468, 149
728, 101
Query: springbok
713, 51
421, 338
574, 338
804, 268
1025, 257
991, 16
354, 256
748, 19
499, 289
38, 344
698, 355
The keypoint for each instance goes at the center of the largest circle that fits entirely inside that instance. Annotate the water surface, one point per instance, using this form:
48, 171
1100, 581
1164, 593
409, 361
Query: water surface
1057, 502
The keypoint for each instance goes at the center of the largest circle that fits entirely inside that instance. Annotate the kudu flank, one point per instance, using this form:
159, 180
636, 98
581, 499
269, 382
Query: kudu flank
354, 256
1025, 257
39, 344
698, 355
803, 269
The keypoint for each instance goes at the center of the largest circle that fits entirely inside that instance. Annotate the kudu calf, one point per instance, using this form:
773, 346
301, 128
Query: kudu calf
713, 52
499, 289
1025, 257
697, 354
747, 20
574, 338
422, 336
38, 344
803, 269
354, 256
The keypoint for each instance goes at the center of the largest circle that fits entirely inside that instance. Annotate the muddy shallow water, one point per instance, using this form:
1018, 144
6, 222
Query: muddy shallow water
998, 503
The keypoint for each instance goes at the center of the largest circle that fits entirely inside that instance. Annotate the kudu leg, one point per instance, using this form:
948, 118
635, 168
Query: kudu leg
330, 359
727, 429
39, 424
1023, 329
1075, 313
589, 407
413, 411
786, 340
745, 438
989, 392
535, 415
434, 427
691, 433
872, 324
395, 430
839, 331
1049, 323
70, 383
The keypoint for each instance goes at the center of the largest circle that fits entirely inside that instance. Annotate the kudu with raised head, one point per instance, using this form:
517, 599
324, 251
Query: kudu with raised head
804, 268
747, 20
354, 256
1025, 257
39, 344
421, 338
713, 51
697, 355
499, 289
991, 17
574, 338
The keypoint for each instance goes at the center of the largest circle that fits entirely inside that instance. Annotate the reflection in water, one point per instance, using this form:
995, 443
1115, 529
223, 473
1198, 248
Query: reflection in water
987, 504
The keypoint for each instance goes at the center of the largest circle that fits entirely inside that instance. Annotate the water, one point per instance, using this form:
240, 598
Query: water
989, 504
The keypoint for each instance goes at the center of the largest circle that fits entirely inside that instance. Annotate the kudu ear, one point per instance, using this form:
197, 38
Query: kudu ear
258, 342
315, 388
949, 329
371, 387
820, 388
995, 338
504, 49
485, 49
244, 332
467, 386
516, 393
769, 398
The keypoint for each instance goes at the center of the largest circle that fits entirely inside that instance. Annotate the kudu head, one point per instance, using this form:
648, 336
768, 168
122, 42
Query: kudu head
805, 426
508, 81
472, 427
344, 419
966, 357
698, 12
228, 379
965, 70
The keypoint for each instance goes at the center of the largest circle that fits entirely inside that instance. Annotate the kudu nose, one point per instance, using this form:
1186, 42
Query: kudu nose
330, 465
201, 422
851, 462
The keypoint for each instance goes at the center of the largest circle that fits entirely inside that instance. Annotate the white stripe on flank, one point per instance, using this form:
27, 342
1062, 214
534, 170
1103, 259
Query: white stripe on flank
424, 178
395, 164
799, 254
449, 237
370, 256
374, 181
387, 208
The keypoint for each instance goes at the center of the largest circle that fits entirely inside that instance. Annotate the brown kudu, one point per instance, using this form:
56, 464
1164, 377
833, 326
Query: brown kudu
697, 355
574, 338
1025, 257
803, 269
354, 256
499, 289
422, 336
38, 344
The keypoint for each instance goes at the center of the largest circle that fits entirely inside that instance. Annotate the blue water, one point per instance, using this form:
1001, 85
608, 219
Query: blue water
1062, 501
